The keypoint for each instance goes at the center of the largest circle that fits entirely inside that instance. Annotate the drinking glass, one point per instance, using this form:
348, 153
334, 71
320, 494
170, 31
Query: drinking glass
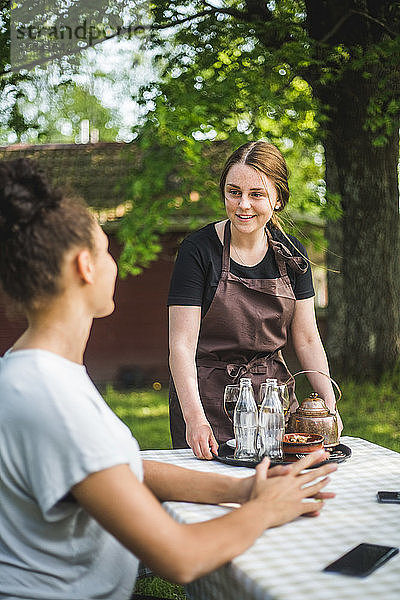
231, 396
283, 393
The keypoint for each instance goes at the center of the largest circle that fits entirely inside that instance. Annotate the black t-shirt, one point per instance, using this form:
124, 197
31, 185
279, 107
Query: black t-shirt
198, 269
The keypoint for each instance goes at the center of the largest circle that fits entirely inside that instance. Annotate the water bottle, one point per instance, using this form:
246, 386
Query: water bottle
264, 388
245, 421
271, 425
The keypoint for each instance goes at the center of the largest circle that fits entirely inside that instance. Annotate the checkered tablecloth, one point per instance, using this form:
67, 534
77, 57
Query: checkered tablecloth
286, 563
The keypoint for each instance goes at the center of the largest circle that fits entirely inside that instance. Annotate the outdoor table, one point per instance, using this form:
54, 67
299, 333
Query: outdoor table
285, 563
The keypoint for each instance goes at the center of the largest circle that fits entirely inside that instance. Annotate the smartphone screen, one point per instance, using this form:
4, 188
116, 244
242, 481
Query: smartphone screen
388, 497
362, 560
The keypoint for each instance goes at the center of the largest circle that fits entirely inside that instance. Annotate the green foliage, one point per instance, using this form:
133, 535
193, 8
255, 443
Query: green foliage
53, 113
246, 71
11, 84
371, 412
383, 111
242, 52
70, 104
184, 144
333, 208
46, 101
228, 73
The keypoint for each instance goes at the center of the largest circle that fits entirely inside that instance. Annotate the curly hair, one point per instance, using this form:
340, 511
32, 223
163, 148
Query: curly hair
38, 224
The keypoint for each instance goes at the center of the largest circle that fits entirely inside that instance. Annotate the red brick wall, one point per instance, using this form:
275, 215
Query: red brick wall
134, 336
12, 324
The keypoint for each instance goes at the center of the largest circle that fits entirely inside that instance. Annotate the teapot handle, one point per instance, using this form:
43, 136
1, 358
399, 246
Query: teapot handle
291, 378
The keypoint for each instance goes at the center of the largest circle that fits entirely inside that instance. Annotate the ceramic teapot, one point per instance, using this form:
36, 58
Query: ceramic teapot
313, 416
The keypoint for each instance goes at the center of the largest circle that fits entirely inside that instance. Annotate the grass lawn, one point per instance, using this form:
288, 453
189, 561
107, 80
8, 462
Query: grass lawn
146, 414
368, 411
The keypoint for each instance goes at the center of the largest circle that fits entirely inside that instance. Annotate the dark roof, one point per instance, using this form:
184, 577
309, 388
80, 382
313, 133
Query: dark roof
95, 172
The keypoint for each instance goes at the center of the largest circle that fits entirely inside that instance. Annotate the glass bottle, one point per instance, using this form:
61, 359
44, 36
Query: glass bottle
245, 421
271, 425
283, 394
264, 387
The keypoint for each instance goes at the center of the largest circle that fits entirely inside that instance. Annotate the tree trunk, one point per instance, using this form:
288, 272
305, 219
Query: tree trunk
334, 234
364, 299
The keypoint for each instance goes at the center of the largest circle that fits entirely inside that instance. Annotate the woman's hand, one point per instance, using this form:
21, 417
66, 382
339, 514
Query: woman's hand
200, 437
284, 495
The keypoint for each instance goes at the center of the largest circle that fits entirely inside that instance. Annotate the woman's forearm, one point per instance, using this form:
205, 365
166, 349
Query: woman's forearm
184, 373
184, 326
130, 512
209, 545
199, 433
169, 482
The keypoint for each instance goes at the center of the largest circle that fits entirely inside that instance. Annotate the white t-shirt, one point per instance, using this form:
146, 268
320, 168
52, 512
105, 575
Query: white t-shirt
55, 429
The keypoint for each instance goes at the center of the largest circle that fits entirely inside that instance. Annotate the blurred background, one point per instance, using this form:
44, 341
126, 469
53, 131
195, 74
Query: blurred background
135, 106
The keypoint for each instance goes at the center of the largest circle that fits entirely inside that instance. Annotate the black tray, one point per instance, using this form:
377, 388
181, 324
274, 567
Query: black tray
339, 454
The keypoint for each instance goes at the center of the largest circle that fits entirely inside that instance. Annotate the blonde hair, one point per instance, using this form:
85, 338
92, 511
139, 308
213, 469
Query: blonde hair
268, 161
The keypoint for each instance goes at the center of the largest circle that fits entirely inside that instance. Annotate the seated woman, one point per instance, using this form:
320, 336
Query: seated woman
78, 508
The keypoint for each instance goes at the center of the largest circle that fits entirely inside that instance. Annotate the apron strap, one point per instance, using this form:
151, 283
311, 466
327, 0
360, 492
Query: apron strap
226, 250
284, 257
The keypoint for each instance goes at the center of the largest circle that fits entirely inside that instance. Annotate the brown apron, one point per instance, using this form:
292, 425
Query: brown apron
241, 335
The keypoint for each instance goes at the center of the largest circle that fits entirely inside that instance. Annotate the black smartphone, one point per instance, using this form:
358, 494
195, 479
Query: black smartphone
388, 497
362, 560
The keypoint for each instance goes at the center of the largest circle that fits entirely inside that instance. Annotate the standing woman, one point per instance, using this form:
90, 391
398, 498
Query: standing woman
78, 507
239, 286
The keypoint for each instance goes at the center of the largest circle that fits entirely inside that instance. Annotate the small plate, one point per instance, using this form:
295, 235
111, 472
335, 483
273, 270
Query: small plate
338, 454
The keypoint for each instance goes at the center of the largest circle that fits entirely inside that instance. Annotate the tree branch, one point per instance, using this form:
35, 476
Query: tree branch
377, 21
120, 31
211, 10
232, 12
349, 14
202, 13
255, 8
336, 27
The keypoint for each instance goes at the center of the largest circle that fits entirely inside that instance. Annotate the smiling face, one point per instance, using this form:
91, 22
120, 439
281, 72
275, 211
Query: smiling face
250, 198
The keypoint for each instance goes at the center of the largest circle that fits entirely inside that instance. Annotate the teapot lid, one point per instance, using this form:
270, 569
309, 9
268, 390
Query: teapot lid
313, 406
